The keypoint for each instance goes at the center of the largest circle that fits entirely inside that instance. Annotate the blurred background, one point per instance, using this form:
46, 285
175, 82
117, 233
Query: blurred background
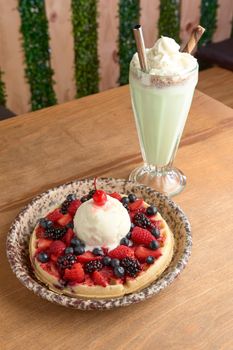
52, 51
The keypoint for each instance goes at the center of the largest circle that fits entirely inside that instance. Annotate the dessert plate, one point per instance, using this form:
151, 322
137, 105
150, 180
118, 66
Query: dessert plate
19, 235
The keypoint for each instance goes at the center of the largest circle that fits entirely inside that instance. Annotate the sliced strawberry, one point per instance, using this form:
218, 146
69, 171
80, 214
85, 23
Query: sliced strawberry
43, 244
99, 279
68, 236
141, 236
156, 223
74, 205
107, 272
115, 195
57, 248
142, 253
40, 231
88, 281
76, 273
87, 256
65, 219
55, 215
136, 205
121, 252
50, 268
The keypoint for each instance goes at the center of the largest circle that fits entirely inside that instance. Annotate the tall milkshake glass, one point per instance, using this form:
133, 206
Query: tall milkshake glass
161, 105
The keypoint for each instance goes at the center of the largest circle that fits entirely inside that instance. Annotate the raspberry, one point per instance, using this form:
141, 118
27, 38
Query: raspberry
121, 252
57, 248
54, 215
131, 266
94, 265
75, 274
141, 236
141, 220
66, 261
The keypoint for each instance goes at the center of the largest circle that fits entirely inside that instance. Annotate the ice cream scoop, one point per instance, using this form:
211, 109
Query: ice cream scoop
103, 225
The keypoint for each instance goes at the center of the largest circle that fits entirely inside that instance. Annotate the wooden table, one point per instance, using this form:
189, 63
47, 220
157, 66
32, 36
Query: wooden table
96, 136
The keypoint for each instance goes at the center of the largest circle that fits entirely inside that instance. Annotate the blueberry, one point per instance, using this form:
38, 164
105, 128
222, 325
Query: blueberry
84, 199
71, 197
155, 232
125, 200
75, 242
115, 262
69, 250
150, 259
124, 241
79, 250
70, 225
132, 226
151, 210
43, 257
98, 251
129, 234
119, 271
132, 197
106, 260
45, 223
154, 245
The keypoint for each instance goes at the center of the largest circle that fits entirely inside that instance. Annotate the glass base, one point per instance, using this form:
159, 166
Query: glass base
169, 181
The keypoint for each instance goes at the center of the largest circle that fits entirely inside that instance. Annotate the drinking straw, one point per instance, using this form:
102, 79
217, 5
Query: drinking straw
138, 35
194, 38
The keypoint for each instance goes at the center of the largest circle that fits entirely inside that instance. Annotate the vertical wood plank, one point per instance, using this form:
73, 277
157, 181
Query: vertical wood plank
62, 48
149, 20
12, 58
224, 20
189, 18
108, 29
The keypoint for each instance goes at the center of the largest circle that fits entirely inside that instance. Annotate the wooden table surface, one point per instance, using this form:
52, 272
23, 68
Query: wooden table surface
96, 136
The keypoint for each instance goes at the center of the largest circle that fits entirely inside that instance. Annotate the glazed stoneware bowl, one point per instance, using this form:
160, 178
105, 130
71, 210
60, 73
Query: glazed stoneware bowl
22, 227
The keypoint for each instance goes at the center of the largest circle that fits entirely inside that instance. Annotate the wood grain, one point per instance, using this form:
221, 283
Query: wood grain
224, 20
96, 135
62, 48
189, 18
149, 20
108, 23
12, 58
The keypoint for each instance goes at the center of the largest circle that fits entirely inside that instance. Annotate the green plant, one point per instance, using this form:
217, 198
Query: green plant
34, 28
169, 20
129, 13
84, 18
2, 91
208, 20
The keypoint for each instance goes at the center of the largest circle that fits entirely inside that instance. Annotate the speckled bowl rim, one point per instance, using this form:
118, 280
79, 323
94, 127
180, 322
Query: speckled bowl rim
101, 304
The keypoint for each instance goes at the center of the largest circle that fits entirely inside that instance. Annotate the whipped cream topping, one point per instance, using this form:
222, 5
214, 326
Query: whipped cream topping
102, 226
165, 59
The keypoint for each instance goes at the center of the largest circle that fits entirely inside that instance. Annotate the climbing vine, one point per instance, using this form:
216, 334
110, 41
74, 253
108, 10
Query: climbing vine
208, 20
2, 91
84, 19
129, 13
169, 20
34, 29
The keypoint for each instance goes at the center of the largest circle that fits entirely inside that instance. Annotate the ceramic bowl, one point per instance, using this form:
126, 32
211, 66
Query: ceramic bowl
23, 225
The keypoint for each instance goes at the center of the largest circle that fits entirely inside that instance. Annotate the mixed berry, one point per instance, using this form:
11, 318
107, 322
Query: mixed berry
61, 253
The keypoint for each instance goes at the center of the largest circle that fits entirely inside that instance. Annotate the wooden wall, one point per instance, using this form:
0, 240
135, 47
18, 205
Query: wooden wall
61, 42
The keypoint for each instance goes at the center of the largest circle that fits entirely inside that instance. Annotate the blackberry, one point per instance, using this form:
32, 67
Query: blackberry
90, 194
131, 266
65, 206
55, 232
93, 265
66, 261
84, 199
141, 220
71, 197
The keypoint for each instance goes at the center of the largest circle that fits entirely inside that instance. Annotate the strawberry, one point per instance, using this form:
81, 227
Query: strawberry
99, 279
50, 268
121, 252
142, 253
74, 205
68, 236
40, 231
65, 219
87, 256
141, 236
136, 205
57, 248
43, 244
115, 195
156, 223
76, 273
54, 215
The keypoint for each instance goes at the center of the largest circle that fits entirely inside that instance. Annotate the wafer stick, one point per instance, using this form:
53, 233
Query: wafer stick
193, 40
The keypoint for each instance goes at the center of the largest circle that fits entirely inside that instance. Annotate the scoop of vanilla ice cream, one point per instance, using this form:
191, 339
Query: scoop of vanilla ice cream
102, 225
165, 58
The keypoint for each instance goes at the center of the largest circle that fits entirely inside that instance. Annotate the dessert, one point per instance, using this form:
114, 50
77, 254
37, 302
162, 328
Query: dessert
101, 245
